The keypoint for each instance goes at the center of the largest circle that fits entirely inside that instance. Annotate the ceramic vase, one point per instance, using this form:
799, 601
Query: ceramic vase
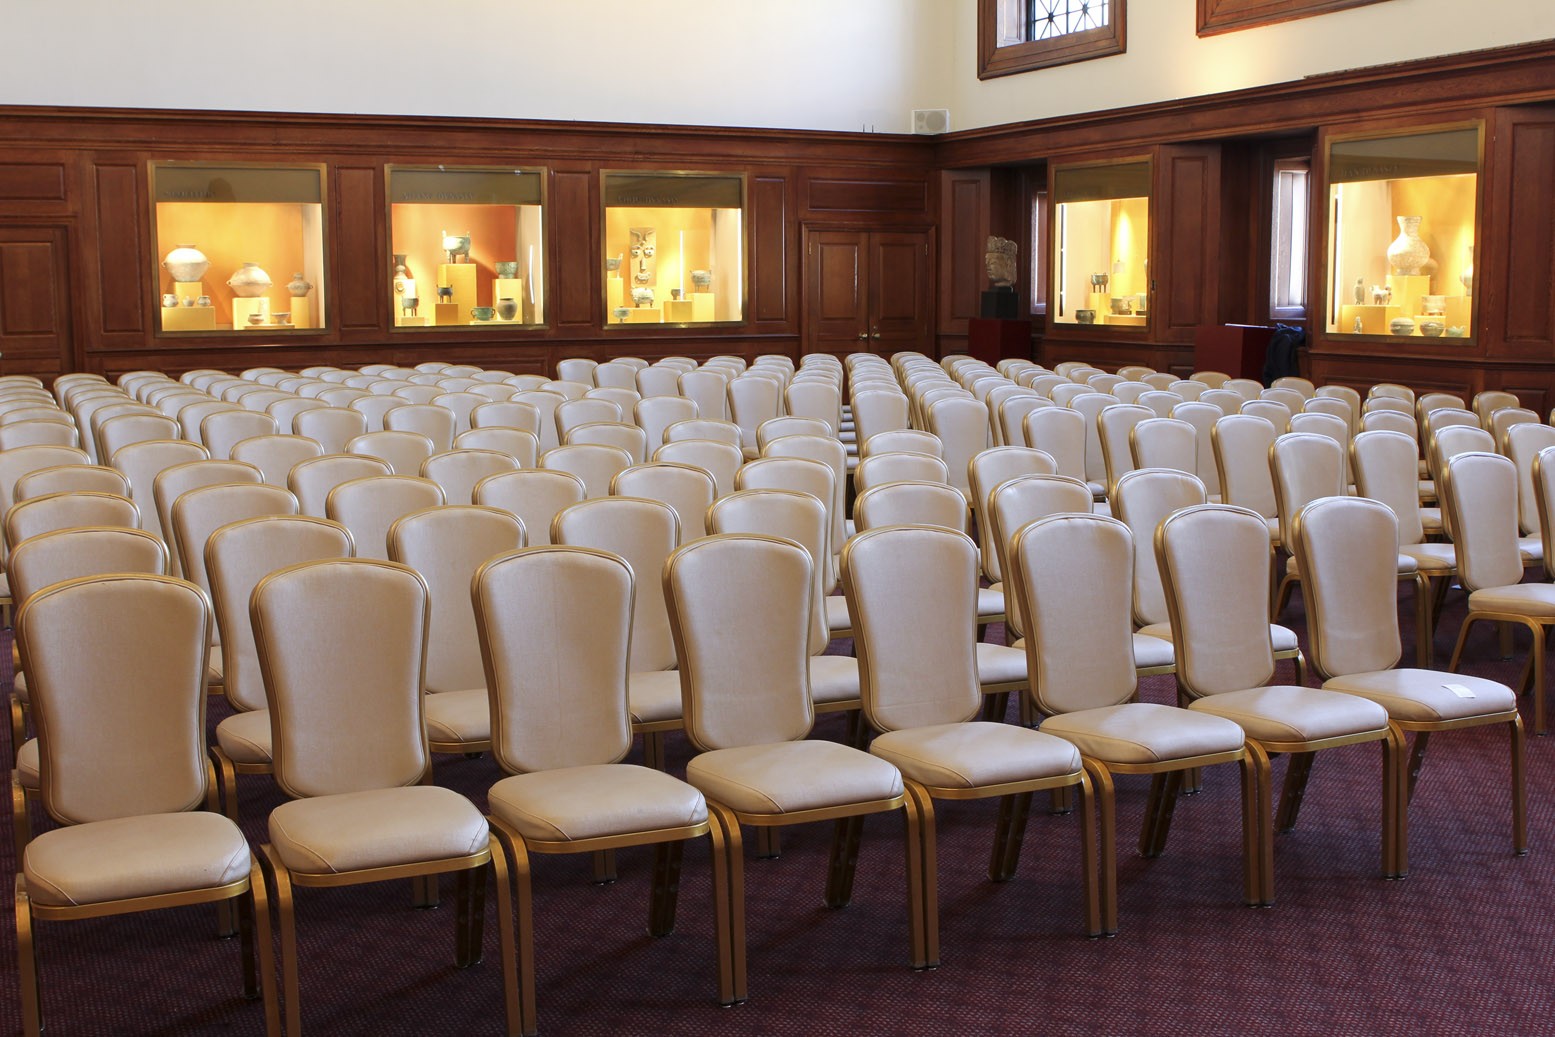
186, 263
507, 309
1408, 253
299, 286
401, 272
250, 282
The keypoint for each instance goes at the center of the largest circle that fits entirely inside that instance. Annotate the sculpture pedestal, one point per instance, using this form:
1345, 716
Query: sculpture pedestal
244, 309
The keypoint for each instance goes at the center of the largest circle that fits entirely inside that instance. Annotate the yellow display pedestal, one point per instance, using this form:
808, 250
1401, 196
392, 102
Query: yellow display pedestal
508, 288
615, 291
243, 311
702, 306
1374, 319
645, 315
679, 311
1457, 313
1126, 320
445, 313
188, 290
413, 322
461, 278
1407, 290
302, 312
189, 318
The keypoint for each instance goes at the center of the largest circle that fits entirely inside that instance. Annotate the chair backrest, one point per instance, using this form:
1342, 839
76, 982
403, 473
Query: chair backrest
1278, 414
1488, 401
311, 480
571, 413
689, 491
458, 471
1189, 389
817, 398
1291, 398
1390, 403
898, 441
18, 462
752, 400
133, 428
800, 517
420, 393
1393, 421
507, 414
1449, 441
1431, 401
620, 434
1479, 508
70, 478
534, 495
753, 686
911, 503
961, 423
554, 625
596, 464
1145, 498
1073, 577
991, 469
172, 483
331, 427
447, 545
657, 380
1214, 564
1164, 443
1114, 425
1498, 422
275, 455
655, 414
237, 557
120, 715
709, 390
1523, 443
428, 419
1226, 401
1130, 391
73, 510
1544, 499
1387, 470
878, 410
645, 533
369, 506
374, 410
576, 369
140, 463
879, 469
1060, 432
703, 428
1248, 388
342, 646
787, 425
199, 512
461, 405
523, 447
615, 373
403, 451
912, 596
1242, 444
1160, 402
1349, 583
1011, 415
1305, 466
67, 554
224, 429
1330, 425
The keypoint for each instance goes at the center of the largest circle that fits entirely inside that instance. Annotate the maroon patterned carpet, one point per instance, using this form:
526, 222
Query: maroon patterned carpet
1458, 948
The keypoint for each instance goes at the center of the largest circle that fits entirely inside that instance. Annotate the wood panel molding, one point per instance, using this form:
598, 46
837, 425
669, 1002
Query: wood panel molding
771, 251
826, 194
1218, 16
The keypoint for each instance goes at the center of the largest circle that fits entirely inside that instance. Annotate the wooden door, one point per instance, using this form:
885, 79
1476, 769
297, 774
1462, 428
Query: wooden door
35, 324
866, 290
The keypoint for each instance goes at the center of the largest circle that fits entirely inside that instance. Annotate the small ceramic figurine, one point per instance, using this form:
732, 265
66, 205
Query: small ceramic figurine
1360, 329
1360, 290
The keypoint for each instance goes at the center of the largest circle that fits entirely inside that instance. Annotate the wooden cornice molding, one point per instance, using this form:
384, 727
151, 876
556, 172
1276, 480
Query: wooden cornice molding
1218, 16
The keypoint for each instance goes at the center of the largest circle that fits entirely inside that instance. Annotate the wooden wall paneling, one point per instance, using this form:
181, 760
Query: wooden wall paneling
772, 254
39, 184
35, 324
1242, 268
831, 195
1515, 264
901, 291
965, 220
576, 294
362, 268
114, 276
1184, 268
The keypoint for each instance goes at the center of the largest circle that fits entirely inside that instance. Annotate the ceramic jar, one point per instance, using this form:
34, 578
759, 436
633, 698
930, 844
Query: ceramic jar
1432, 328
1408, 253
169, 301
1433, 305
507, 309
186, 263
250, 282
299, 286
1401, 326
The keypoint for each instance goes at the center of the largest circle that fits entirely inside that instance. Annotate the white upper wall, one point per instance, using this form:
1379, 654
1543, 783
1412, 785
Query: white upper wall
798, 64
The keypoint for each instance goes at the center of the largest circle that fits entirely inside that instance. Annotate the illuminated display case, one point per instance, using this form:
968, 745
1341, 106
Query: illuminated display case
674, 248
467, 246
241, 247
1101, 242
1403, 215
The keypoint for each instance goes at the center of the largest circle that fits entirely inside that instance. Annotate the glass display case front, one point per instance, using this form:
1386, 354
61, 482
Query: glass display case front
467, 246
241, 247
674, 248
1101, 244
1403, 211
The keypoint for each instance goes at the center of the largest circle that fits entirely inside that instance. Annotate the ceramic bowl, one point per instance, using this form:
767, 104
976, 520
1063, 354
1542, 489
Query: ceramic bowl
1432, 328
1457, 331
1085, 316
1401, 326
507, 271
482, 312
1122, 306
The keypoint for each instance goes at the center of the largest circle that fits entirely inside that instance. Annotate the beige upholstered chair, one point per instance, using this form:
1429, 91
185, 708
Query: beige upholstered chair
1189, 389
877, 469
620, 434
748, 710
1506, 418
615, 373
902, 441
1275, 411
331, 427
752, 400
458, 471
418, 392
879, 410
71, 478
350, 744
1202, 416
461, 405
1214, 564
1305, 466
522, 446
1114, 425
119, 432
1487, 402
1344, 546
655, 414
1432, 401
571, 413
1293, 399
446, 545
311, 480
1334, 427
222, 430
128, 793
1296, 384
790, 425
404, 451
375, 410
1391, 404
912, 502
593, 463
576, 369
436, 423
1164, 443
703, 428
507, 414
1227, 401
709, 390
1073, 577
1160, 402
237, 557
201, 511
688, 490
1010, 417
658, 380
1016, 502
911, 589
1522, 443
554, 626
1242, 443
644, 533
534, 495
53, 511
1060, 433
962, 426
1479, 500
173, 482
370, 505
275, 455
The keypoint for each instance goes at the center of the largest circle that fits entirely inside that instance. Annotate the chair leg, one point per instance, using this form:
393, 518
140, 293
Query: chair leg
424, 892
241, 910
1106, 810
18, 727
469, 913
1087, 796
1423, 625
21, 817
922, 878
728, 903
1519, 789
27, 963
666, 887
769, 844
1164, 790
604, 867
994, 706
1282, 598
1536, 653
505, 940
1394, 818
1060, 800
1297, 772
844, 860
1257, 828
258, 901
1463, 636
283, 907
653, 749
1009, 832
1416, 761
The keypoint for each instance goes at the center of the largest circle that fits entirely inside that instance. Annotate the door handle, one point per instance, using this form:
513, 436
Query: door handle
874, 333
863, 335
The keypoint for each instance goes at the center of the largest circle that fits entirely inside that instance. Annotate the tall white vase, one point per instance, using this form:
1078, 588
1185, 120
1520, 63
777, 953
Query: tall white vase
1408, 253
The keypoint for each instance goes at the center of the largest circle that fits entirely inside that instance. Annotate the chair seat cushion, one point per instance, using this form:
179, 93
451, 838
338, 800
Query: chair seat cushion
833, 679
1431, 519
214, 666
1523, 599
1150, 652
975, 754
790, 777
378, 828
19, 686
245, 737
28, 767
131, 857
837, 617
1294, 714
1531, 548
990, 602
1283, 639
459, 716
1145, 733
653, 696
1001, 664
1423, 696
572, 803
1432, 559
